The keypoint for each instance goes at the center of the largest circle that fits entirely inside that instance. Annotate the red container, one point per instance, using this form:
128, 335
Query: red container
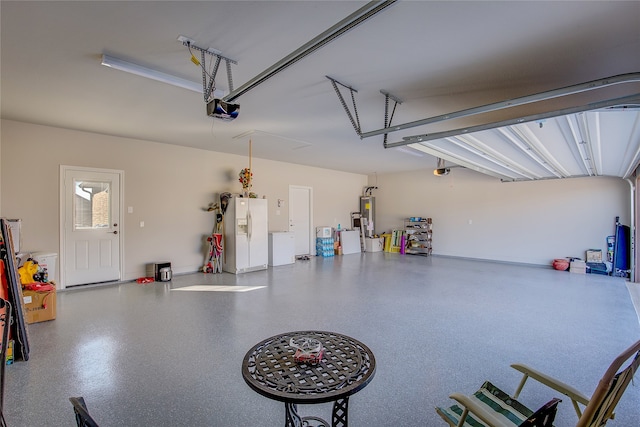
561, 264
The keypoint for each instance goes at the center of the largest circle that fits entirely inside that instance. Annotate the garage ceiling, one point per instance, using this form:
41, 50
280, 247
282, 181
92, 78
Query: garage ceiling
435, 57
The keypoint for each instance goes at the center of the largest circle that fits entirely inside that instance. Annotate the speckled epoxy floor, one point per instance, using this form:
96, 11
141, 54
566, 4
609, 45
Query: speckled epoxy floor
147, 355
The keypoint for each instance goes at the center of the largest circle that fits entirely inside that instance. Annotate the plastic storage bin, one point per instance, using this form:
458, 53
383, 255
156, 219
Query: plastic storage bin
47, 260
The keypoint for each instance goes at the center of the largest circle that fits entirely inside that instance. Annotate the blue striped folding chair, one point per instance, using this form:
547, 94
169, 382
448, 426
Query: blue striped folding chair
490, 406
599, 408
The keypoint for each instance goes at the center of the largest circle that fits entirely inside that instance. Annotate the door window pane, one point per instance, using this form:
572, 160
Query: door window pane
91, 205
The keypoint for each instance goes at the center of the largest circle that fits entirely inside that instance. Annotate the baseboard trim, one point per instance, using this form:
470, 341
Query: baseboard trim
521, 264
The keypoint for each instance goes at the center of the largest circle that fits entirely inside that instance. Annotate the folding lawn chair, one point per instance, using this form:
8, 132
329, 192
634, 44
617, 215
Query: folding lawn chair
490, 406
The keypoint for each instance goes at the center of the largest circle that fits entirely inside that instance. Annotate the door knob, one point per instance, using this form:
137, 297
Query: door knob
115, 232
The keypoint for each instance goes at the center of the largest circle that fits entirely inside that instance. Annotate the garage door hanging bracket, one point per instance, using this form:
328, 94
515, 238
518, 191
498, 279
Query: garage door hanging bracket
353, 117
209, 78
387, 119
355, 122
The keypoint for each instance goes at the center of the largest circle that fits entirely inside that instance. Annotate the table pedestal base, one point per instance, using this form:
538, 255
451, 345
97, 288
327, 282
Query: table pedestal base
339, 416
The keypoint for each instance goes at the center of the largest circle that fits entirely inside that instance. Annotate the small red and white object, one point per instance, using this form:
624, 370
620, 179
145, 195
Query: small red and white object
308, 350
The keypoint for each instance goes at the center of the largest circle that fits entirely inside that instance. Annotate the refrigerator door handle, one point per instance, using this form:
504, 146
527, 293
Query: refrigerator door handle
249, 225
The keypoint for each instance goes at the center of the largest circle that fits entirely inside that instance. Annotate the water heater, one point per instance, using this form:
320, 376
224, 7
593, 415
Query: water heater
368, 214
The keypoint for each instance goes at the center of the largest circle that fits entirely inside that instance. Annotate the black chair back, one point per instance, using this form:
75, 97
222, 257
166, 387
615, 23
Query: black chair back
83, 419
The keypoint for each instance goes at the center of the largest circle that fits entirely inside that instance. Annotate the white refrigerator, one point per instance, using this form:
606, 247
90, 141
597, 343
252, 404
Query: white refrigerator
246, 244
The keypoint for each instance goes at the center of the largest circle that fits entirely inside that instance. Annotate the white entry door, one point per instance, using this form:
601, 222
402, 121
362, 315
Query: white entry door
90, 229
301, 218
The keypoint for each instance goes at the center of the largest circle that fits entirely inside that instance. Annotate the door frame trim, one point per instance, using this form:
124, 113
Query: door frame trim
312, 246
61, 193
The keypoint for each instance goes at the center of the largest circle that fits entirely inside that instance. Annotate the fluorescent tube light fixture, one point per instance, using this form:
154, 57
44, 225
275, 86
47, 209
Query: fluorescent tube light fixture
139, 70
410, 150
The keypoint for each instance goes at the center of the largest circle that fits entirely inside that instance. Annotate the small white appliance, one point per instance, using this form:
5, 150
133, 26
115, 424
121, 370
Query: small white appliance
282, 248
160, 271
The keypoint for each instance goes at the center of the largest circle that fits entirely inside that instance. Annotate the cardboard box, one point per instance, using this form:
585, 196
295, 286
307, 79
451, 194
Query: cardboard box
39, 306
578, 266
324, 232
594, 255
373, 244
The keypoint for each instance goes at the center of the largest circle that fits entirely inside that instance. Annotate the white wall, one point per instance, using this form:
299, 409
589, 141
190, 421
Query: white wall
477, 216
168, 187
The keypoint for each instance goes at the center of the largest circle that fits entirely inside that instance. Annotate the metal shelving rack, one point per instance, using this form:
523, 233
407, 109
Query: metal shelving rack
419, 232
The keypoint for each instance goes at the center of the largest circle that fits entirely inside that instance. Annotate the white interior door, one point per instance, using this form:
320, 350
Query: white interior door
301, 218
90, 226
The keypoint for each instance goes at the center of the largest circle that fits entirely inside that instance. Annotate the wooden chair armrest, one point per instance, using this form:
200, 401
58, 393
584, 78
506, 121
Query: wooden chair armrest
479, 411
552, 382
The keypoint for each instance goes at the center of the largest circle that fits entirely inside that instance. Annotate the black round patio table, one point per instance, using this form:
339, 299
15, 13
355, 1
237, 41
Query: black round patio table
347, 366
